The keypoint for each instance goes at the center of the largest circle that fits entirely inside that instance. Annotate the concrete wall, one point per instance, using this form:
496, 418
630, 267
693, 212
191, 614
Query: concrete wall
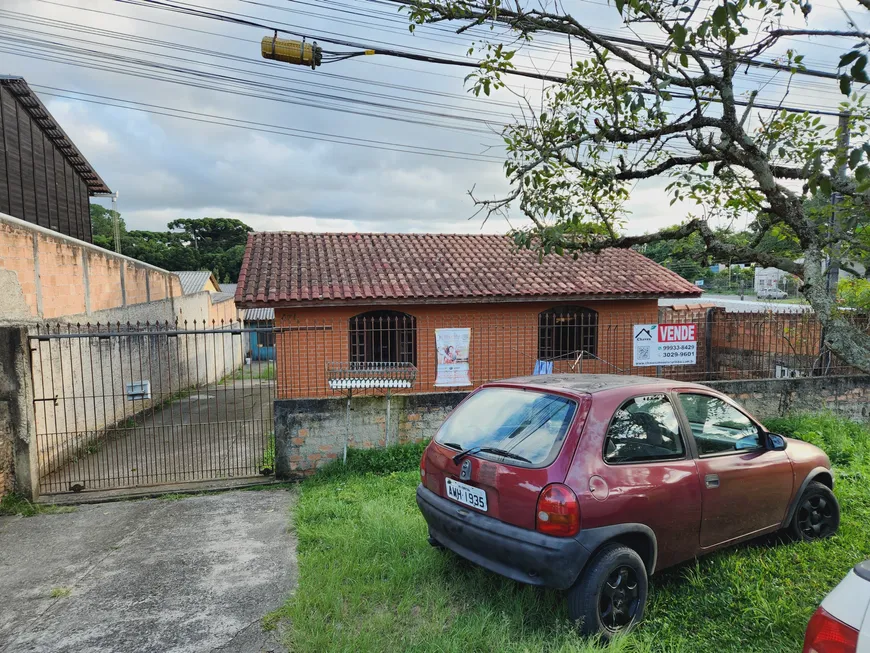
848, 396
17, 459
80, 384
60, 276
311, 432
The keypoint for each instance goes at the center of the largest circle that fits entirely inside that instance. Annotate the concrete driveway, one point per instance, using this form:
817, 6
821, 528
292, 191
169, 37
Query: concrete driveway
194, 574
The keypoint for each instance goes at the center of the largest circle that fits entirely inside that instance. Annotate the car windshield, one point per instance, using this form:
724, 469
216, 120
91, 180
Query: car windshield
525, 424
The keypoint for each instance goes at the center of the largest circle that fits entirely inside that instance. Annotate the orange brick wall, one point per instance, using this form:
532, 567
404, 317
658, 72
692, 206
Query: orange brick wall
57, 273
504, 340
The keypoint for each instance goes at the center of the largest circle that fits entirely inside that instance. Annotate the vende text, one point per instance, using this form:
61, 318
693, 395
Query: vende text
676, 333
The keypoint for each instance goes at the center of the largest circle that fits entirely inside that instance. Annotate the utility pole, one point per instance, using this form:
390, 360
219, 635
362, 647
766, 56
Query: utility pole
116, 222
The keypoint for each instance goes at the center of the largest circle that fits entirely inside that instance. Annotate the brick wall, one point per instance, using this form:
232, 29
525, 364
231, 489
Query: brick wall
504, 340
61, 276
309, 433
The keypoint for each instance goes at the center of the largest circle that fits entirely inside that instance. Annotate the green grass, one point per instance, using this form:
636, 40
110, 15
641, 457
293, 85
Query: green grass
14, 504
268, 461
368, 581
266, 373
60, 592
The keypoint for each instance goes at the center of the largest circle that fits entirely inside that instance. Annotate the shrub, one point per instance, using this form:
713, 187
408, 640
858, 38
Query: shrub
846, 442
395, 458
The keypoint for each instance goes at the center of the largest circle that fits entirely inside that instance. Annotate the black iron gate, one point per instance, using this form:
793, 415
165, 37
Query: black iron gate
137, 405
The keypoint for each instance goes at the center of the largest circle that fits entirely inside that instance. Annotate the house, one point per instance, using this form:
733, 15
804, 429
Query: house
44, 178
198, 281
260, 322
468, 303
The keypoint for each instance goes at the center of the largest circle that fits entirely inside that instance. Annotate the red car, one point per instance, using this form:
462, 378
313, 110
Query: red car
591, 483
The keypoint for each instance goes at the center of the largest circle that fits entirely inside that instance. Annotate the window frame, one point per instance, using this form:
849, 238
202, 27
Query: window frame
684, 420
592, 315
654, 461
353, 331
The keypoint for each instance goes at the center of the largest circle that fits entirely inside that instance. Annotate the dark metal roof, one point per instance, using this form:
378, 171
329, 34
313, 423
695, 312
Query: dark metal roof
40, 115
589, 383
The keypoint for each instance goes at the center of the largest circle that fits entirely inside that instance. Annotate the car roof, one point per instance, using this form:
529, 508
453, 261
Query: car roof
593, 383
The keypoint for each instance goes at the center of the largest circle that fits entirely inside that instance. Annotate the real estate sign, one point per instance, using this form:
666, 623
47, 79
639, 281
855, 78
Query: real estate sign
451, 355
665, 344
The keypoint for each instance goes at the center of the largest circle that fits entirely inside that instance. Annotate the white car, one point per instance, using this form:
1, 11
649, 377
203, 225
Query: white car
772, 293
842, 622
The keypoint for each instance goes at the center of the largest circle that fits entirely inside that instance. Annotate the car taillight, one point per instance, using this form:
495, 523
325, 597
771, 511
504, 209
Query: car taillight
423, 468
828, 635
558, 512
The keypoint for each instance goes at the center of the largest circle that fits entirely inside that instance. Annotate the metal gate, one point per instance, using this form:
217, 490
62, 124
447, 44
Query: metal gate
138, 405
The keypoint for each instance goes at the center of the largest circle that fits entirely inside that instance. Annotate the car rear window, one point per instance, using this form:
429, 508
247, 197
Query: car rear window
527, 424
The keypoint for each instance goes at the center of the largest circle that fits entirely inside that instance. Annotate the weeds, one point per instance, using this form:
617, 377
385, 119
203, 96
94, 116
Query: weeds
14, 504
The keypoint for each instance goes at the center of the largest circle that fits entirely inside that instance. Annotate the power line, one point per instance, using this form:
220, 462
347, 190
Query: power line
195, 10
238, 123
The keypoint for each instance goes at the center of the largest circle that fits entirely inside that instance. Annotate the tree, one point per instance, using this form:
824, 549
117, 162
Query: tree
671, 107
103, 228
216, 244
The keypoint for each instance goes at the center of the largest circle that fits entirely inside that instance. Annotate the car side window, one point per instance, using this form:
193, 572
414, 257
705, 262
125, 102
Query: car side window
644, 429
717, 426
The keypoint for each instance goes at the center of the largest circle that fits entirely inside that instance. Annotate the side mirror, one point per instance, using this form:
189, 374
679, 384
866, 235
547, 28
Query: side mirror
776, 442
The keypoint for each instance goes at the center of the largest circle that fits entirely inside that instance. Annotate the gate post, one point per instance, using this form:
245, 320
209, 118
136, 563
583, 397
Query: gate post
18, 456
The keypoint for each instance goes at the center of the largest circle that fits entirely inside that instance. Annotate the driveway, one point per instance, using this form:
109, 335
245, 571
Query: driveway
193, 574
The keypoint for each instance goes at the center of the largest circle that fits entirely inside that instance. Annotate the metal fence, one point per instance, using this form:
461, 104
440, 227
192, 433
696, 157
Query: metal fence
131, 405
566, 340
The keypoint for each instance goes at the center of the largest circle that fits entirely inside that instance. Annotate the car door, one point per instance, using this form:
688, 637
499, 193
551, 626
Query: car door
648, 475
745, 487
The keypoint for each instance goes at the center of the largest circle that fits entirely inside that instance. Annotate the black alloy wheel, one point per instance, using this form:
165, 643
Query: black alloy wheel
817, 515
619, 599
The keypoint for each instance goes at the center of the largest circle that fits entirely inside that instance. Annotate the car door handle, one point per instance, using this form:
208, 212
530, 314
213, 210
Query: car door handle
712, 481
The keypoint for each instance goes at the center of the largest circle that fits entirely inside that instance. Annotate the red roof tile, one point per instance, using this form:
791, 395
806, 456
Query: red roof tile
291, 269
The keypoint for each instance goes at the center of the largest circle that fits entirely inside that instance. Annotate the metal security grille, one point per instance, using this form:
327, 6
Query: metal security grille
137, 405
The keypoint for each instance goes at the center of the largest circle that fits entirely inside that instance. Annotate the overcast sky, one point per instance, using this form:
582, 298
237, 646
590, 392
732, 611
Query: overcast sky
165, 167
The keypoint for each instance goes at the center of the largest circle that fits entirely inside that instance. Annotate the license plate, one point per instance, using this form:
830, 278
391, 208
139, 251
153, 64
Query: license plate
470, 496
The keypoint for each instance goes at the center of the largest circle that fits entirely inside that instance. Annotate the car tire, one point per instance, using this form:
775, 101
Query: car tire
610, 596
817, 515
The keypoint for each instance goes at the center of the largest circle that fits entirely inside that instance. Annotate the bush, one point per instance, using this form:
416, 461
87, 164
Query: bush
846, 442
395, 458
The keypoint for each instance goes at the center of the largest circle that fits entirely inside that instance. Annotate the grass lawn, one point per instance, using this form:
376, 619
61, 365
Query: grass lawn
368, 581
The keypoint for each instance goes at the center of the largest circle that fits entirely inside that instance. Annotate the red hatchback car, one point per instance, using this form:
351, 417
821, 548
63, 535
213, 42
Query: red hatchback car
591, 483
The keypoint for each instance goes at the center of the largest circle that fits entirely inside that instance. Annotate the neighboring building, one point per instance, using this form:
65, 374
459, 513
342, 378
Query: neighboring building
261, 343
198, 281
44, 179
767, 278
378, 298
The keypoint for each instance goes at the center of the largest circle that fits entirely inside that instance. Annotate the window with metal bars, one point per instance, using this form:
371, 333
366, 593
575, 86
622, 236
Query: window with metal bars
567, 332
383, 337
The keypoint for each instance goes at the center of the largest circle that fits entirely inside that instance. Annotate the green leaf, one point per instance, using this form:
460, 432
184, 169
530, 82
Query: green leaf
684, 60
679, 35
732, 12
848, 58
825, 185
855, 158
845, 85
862, 172
620, 4
720, 16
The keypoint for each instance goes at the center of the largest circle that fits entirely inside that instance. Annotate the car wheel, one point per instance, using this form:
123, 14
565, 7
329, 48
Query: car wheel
610, 596
817, 515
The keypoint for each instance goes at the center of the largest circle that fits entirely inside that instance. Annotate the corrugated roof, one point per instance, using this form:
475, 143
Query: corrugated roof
193, 281
229, 288
290, 268
41, 116
259, 314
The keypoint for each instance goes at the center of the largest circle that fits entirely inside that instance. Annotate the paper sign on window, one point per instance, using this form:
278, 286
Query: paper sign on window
451, 351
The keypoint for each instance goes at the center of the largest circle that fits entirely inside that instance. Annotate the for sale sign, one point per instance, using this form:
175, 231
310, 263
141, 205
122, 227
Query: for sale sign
665, 344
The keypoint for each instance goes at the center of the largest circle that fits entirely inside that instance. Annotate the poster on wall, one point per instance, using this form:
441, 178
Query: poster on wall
665, 344
451, 351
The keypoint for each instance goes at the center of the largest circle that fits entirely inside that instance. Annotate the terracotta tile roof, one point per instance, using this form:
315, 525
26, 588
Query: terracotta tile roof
292, 269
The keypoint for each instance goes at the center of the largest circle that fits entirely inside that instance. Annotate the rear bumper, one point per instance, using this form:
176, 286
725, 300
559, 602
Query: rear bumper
523, 555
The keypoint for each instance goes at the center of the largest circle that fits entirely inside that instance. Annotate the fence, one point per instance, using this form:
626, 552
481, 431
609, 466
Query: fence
123, 405
565, 340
